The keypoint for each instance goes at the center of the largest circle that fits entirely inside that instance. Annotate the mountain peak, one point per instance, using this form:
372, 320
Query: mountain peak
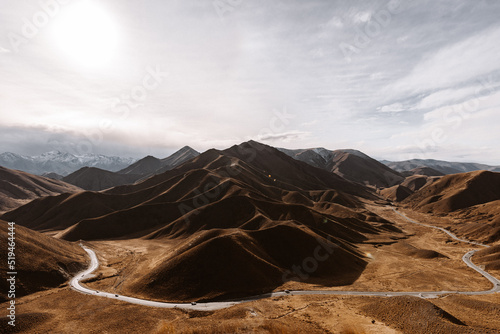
186, 149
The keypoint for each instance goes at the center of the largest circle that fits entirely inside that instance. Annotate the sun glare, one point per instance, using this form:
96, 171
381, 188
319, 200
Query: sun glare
86, 33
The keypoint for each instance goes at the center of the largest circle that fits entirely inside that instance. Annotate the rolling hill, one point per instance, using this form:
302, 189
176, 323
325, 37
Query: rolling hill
457, 191
473, 199
95, 179
350, 164
41, 261
151, 165
410, 185
18, 188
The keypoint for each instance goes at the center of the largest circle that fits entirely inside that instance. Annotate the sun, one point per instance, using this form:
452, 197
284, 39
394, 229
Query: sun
85, 33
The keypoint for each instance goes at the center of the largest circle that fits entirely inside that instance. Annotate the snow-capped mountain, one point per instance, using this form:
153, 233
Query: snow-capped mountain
62, 163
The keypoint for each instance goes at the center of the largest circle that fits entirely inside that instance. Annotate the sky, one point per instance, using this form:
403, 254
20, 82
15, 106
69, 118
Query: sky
395, 79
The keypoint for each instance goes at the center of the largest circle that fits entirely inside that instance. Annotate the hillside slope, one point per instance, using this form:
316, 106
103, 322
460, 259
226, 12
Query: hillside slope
41, 261
350, 164
18, 188
457, 191
95, 179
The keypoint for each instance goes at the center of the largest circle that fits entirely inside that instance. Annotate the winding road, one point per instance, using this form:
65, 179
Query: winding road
211, 306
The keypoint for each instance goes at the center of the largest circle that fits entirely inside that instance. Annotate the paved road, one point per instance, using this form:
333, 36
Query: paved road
94, 264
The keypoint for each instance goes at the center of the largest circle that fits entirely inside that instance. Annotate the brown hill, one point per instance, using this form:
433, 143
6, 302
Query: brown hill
410, 184
231, 263
91, 178
178, 158
410, 250
349, 164
396, 193
40, 261
18, 188
151, 165
458, 191
418, 316
364, 170
416, 182
145, 166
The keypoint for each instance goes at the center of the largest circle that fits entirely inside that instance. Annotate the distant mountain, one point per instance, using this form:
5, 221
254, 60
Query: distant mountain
18, 188
427, 171
151, 165
144, 166
178, 158
95, 179
61, 163
352, 165
444, 167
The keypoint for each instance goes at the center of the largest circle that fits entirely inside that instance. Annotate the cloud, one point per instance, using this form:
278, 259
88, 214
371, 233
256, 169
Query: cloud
284, 136
225, 79
362, 17
392, 108
451, 65
447, 96
3, 50
335, 22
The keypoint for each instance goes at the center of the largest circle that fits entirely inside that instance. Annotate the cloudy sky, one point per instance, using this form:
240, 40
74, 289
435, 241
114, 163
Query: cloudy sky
395, 79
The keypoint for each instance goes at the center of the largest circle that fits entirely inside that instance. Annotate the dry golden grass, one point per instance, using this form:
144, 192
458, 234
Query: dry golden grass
221, 328
352, 330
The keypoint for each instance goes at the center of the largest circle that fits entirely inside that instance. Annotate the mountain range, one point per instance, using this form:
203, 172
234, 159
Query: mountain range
445, 167
91, 178
241, 218
61, 163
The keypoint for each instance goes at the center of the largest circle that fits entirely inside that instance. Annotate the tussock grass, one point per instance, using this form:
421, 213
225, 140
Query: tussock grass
223, 328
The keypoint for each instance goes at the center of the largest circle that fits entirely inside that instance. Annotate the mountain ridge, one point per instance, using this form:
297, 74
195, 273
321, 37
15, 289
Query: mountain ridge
62, 163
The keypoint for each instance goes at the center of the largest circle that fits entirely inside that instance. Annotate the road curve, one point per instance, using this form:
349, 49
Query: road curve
211, 306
